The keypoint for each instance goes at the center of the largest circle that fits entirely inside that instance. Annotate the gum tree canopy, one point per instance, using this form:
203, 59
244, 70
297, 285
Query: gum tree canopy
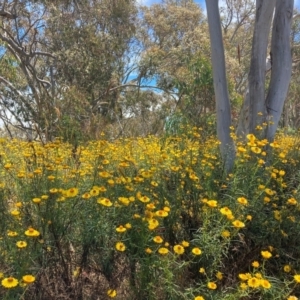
259, 106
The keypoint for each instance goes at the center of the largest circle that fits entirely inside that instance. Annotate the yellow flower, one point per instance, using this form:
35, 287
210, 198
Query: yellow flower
193, 176
211, 285
243, 286
86, 195
124, 164
225, 211
104, 174
28, 279
146, 174
258, 275
269, 192
212, 203
196, 251
128, 226
94, 192
104, 201
174, 168
255, 264
11, 233
238, 224
178, 249
242, 200
36, 200
150, 206
72, 192
152, 224
265, 283
241, 149
266, 254
15, 213
185, 244
61, 199
161, 213
154, 183
251, 137
53, 191
7, 166
225, 234
144, 199
256, 150
253, 282
105, 161
120, 246
199, 298
292, 298
21, 244
287, 268
121, 229
292, 201
110, 182
157, 239
202, 270
148, 250
111, 293
9, 282
124, 200
245, 276
282, 155
297, 278
230, 217
163, 251
32, 232
102, 189
219, 275
138, 179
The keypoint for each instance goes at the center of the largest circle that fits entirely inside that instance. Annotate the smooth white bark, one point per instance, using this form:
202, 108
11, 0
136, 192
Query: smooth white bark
281, 66
253, 110
220, 84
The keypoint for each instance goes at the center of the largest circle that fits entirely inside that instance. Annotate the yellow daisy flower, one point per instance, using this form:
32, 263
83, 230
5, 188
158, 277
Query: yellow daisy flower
9, 282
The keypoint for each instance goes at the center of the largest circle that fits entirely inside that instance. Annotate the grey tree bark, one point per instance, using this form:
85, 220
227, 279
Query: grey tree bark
281, 66
258, 108
220, 84
253, 110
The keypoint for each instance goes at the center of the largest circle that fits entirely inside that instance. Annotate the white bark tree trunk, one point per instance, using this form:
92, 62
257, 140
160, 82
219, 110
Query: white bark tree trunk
254, 102
220, 84
281, 64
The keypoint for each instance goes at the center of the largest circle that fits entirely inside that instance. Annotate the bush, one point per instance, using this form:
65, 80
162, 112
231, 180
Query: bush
149, 218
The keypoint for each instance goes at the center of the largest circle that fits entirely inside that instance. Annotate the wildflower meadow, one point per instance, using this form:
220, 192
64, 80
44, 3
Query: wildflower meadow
150, 218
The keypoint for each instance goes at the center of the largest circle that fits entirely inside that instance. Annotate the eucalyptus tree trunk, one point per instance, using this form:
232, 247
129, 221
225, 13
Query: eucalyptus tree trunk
257, 108
281, 64
253, 111
220, 84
